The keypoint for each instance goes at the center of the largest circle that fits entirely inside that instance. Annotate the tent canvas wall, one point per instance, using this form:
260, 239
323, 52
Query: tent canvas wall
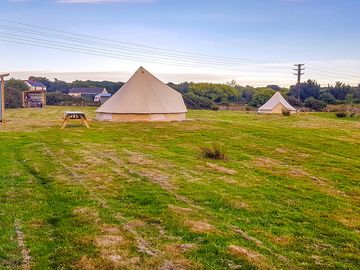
143, 98
276, 104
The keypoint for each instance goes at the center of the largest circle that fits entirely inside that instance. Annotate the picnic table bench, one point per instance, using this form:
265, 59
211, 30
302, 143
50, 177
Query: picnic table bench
74, 115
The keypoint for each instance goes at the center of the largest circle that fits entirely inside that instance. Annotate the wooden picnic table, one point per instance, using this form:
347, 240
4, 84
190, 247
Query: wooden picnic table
74, 115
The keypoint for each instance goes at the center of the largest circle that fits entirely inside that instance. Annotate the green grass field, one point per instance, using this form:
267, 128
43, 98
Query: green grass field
140, 195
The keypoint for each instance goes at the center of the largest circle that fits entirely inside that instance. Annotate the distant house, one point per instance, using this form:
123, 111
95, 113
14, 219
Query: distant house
35, 86
87, 92
35, 96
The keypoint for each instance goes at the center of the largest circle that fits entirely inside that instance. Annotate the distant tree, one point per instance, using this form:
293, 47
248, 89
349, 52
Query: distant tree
356, 94
274, 87
261, 96
340, 90
182, 87
58, 86
327, 97
195, 102
316, 105
308, 89
13, 93
246, 93
293, 101
232, 84
218, 93
43, 80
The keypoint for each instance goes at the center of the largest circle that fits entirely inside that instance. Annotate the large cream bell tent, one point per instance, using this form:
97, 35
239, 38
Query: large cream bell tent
143, 98
276, 104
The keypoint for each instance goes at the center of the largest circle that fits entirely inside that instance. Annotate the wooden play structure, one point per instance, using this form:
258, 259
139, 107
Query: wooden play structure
74, 115
2, 96
34, 99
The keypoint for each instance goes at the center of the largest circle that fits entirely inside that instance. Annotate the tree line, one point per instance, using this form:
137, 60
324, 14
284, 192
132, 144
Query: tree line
200, 95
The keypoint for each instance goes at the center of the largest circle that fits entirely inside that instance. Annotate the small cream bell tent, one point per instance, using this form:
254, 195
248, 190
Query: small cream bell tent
143, 98
276, 104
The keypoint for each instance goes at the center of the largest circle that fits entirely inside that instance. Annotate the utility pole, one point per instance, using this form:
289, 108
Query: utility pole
299, 71
2, 97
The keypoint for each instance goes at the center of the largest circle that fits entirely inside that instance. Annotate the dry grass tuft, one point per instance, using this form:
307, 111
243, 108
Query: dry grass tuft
248, 237
180, 210
107, 241
237, 204
200, 226
87, 213
249, 255
85, 263
221, 168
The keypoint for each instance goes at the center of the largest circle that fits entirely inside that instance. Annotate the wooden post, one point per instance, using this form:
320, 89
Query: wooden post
44, 98
2, 97
23, 99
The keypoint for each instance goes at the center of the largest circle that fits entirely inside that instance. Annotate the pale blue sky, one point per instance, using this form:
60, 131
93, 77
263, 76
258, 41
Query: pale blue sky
324, 34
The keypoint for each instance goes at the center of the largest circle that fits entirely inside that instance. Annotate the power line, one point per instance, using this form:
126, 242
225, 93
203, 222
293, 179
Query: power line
108, 53
138, 45
95, 53
118, 48
335, 73
334, 70
87, 44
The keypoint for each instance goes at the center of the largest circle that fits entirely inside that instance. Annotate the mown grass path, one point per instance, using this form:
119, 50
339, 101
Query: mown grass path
140, 196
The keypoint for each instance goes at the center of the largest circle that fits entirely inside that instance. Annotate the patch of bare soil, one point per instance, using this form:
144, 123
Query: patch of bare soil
143, 246
108, 241
347, 219
267, 162
87, 213
179, 248
110, 229
37, 223
251, 256
296, 172
220, 168
168, 265
237, 204
180, 210
200, 226
25, 252
280, 168
283, 240
228, 179
247, 237
281, 150
85, 263
317, 259
138, 158
156, 176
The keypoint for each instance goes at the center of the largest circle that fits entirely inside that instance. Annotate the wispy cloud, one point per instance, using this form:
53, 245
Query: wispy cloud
102, 1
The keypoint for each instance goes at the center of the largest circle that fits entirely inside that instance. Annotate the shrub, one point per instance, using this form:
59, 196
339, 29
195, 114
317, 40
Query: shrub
285, 112
61, 99
215, 107
316, 105
247, 108
216, 152
294, 101
341, 114
195, 102
352, 114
